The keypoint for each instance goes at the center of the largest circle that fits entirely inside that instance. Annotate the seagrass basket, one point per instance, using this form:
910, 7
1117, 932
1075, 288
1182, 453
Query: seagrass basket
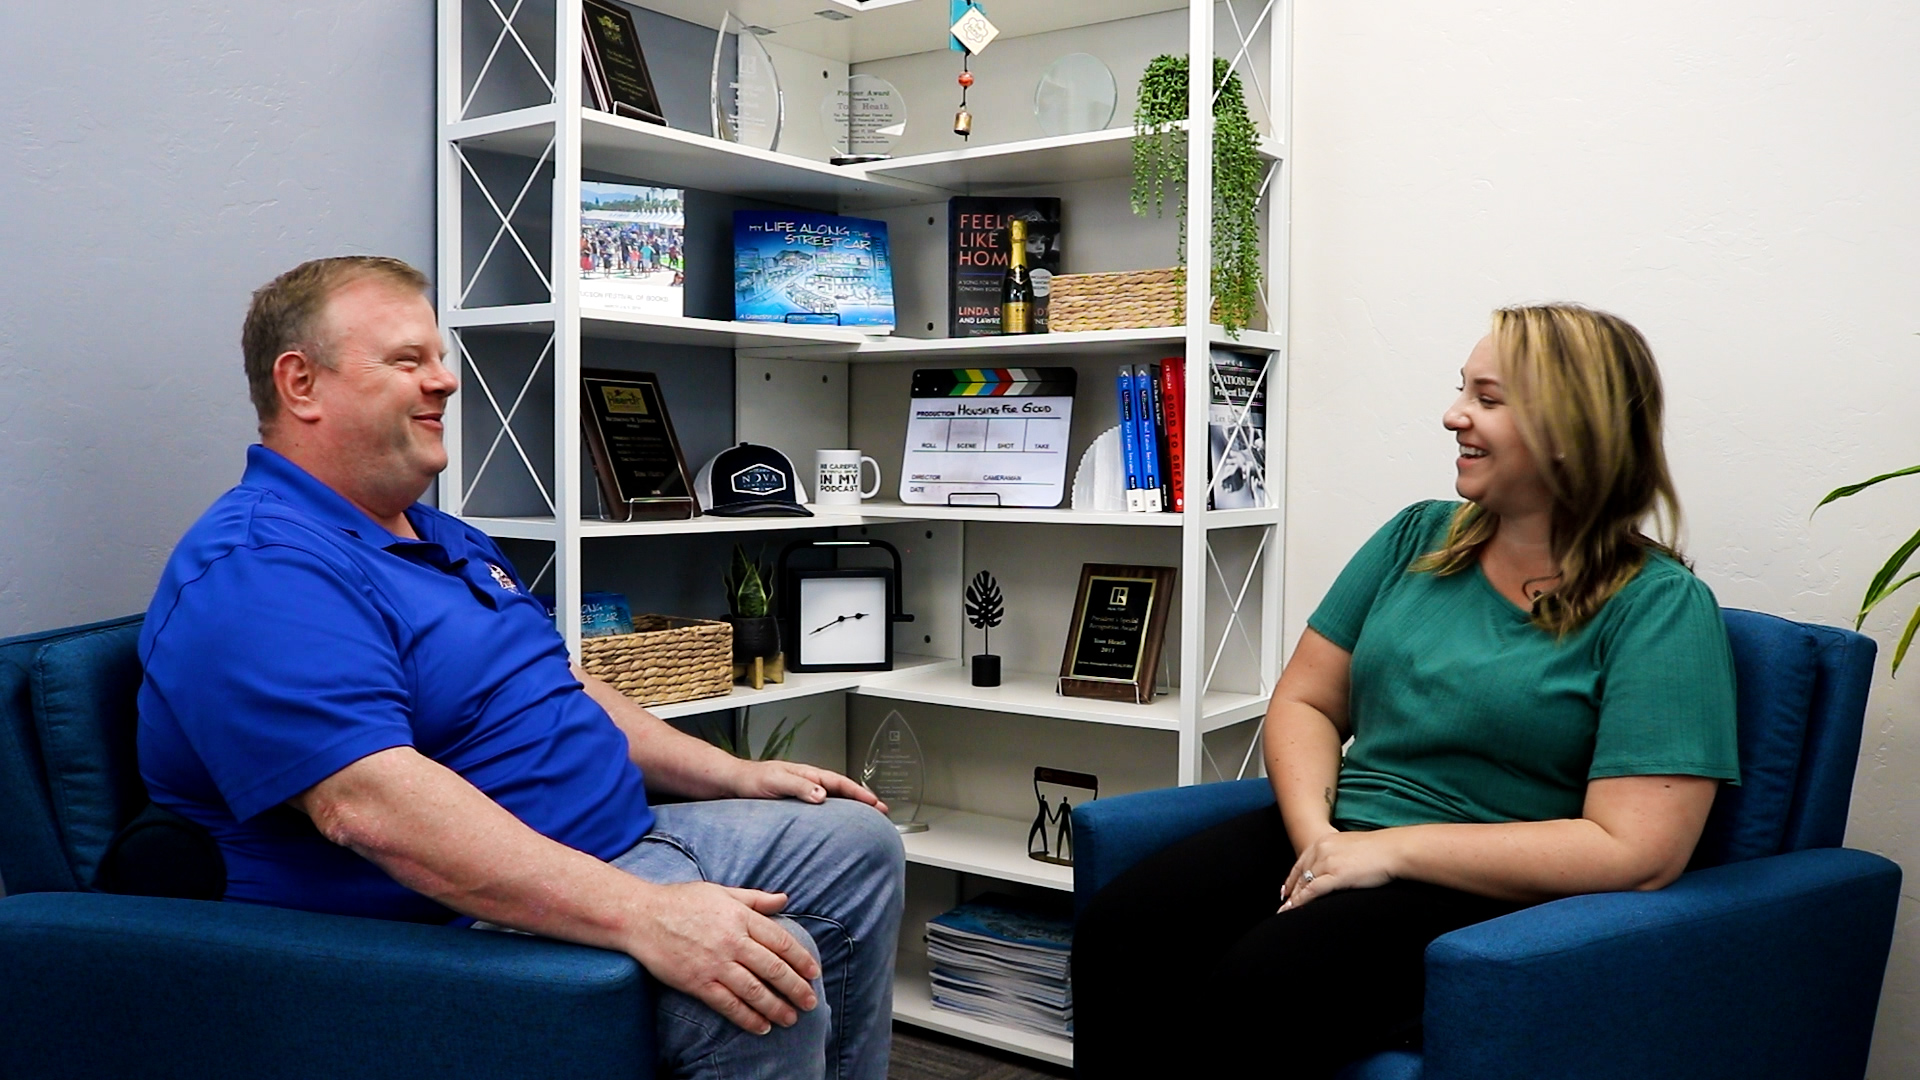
1117, 301
665, 659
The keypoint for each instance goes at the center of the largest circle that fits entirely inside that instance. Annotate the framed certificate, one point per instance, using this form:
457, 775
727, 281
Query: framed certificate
636, 456
1119, 625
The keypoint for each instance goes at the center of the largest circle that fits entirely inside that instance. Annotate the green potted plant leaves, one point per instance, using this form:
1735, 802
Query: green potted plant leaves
1160, 162
749, 608
1888, 581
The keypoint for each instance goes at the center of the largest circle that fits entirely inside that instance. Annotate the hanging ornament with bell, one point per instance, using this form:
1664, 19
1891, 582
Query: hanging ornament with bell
971, 33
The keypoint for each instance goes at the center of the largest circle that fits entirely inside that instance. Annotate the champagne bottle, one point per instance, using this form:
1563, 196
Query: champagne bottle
1016, 289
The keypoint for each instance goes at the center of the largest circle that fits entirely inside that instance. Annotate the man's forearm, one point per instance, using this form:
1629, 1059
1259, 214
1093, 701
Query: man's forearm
673, 761
438, 835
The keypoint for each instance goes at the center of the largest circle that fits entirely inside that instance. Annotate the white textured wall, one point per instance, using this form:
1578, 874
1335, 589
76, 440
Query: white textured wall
158, 161
1739, 180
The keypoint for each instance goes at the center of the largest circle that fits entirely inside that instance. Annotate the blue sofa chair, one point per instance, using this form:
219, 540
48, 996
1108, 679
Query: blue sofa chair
1764, 960
99, 985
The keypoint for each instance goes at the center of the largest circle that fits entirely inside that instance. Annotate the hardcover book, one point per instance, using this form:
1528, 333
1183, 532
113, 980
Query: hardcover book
977, 259
1236, 432
632, 245
792, 266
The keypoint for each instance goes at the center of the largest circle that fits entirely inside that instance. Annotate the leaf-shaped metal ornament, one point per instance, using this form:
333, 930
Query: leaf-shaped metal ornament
896, 771
985, 606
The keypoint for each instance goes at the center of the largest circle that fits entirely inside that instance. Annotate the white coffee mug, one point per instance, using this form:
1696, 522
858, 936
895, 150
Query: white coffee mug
836, 477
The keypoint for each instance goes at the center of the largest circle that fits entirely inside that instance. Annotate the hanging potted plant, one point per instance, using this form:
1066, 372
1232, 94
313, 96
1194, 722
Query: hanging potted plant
1160, 163
1888, 580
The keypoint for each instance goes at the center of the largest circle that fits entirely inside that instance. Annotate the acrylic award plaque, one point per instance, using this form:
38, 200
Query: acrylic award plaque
896, 771
864, 120
1075, 94
746, 101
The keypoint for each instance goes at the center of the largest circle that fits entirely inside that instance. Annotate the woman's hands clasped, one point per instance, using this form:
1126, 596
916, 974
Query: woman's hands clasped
1341, 860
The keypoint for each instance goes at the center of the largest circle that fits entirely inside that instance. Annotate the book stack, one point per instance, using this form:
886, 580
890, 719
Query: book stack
1152, 434
998, 959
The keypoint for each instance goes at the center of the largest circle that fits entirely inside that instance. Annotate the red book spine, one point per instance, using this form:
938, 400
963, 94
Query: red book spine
1173, 397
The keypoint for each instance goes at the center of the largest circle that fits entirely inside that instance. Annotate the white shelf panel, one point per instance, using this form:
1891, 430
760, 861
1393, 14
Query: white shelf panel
1058, 159
913, 1004
709, 523
799, 684
978, 844
1019, 692
669, 156
1005, 347
889, 510
669, 329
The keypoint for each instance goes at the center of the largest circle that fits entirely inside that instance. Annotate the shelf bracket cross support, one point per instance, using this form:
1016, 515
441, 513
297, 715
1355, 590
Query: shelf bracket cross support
469, 364
1237, 600
506, 221
506, 30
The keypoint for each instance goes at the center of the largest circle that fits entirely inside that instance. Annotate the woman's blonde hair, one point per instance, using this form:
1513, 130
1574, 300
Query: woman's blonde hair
1586, 399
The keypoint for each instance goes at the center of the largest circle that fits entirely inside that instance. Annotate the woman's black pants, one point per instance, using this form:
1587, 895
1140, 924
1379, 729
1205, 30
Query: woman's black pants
1183, 967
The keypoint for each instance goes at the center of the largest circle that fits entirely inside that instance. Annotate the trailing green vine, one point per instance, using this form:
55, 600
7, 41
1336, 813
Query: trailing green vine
1160, 162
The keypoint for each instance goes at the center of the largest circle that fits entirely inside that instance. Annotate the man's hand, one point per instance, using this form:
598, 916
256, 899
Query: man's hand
791, 780
719, 945
1341, 860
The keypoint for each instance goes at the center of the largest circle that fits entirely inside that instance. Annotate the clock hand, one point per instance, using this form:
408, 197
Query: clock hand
837, 622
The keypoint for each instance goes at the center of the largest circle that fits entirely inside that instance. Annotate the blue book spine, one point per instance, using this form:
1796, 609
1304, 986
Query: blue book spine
1149, 439
1130, 438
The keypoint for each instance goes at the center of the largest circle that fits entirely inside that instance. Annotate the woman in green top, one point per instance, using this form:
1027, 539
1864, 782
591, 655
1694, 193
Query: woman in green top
1539, 698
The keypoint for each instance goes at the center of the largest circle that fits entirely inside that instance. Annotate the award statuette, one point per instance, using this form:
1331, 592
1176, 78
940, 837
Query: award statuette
896, 771
636, 456
615, 64
864, 120
1119, 625
745, 90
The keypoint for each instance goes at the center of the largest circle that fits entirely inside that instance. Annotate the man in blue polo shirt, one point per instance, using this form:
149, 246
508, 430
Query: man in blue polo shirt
355, 694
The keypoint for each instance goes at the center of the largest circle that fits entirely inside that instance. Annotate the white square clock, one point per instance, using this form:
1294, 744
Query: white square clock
840, 620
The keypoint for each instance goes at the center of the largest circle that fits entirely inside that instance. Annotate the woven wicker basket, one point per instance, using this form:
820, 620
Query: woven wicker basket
665, 659
1131, 298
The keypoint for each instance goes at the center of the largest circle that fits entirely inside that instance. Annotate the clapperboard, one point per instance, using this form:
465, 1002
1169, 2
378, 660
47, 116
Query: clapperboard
988, 436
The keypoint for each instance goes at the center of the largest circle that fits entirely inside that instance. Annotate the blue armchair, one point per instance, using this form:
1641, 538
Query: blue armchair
1764, 960
109, 985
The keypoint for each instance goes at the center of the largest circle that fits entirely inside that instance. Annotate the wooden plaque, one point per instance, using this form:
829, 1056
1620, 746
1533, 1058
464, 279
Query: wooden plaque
616, 64
1119, 625
636, 456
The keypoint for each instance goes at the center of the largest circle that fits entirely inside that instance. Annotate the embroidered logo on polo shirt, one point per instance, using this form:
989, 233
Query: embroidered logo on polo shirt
759, 480
504, 579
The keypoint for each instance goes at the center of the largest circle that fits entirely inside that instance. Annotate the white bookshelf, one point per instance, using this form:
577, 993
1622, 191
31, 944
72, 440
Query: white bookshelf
970, 839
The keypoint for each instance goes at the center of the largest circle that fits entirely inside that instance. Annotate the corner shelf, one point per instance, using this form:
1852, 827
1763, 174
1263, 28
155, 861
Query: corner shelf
799, 684
992, 847
1002, 347
1028, 694
1058, 159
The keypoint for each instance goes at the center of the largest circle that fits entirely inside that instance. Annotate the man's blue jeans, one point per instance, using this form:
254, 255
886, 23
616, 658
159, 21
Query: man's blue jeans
844, 873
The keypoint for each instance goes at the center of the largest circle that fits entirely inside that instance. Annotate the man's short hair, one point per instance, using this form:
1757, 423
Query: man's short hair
286, 311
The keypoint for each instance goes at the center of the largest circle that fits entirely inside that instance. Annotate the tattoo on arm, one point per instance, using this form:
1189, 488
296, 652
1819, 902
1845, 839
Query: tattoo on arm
1329, 796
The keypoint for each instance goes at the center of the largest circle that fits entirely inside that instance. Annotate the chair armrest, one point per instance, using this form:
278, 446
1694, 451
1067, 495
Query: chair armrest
1765, 968
1110, 835
101, 985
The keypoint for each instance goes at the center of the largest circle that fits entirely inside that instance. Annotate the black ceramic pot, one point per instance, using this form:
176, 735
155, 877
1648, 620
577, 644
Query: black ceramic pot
986, 670
755, 637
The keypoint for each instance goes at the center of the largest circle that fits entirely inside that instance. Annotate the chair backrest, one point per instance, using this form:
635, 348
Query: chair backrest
1802, 699
69, 774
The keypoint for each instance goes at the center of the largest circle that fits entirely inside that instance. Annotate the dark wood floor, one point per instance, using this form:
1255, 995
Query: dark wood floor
919, 1054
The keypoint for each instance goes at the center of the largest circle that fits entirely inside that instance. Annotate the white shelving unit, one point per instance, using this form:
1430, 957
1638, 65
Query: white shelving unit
514, 141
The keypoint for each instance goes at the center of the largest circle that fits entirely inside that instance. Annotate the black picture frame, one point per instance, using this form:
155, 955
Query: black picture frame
618, 66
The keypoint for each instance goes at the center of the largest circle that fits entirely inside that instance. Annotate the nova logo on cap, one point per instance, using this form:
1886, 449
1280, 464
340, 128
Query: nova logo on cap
759, 480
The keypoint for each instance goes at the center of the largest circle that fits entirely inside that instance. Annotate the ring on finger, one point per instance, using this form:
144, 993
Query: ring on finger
1306, 878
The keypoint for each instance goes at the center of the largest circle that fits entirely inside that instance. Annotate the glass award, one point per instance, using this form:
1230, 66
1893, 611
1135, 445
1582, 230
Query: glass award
1075, 94
863, 120
896, 771
746, 101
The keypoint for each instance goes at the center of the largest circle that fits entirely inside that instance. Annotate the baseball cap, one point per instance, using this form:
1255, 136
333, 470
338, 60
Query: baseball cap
752, 479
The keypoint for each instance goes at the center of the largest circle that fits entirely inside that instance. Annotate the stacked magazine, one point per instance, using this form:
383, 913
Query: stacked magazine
1005, 961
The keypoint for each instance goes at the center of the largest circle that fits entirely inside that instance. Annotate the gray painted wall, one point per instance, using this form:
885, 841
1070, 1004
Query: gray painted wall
157, 168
